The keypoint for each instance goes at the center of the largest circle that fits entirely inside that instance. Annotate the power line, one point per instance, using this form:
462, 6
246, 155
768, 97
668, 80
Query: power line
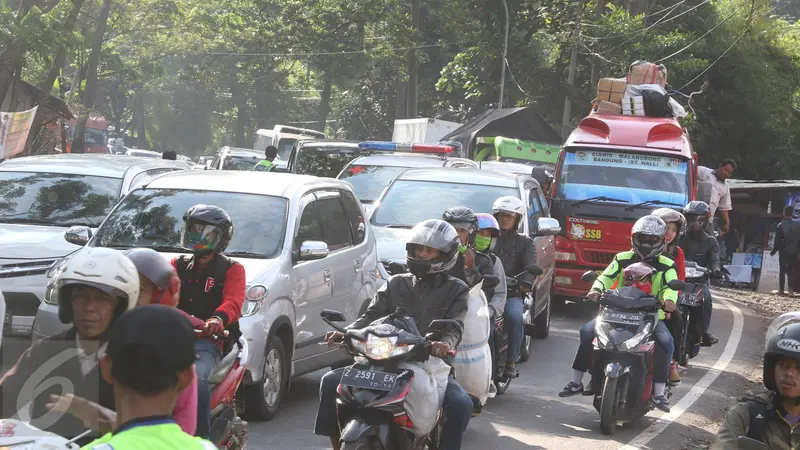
701, 37
346, 52
718, 59
630, 33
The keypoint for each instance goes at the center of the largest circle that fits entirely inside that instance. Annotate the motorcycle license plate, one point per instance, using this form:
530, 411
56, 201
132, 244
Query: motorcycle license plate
687, 298
624, 318
368, 379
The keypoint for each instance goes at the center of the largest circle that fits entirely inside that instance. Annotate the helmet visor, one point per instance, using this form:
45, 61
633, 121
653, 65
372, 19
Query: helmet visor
201, 237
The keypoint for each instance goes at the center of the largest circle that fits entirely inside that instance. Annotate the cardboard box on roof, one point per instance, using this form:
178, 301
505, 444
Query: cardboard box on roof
611, 89
604, 107
643, 72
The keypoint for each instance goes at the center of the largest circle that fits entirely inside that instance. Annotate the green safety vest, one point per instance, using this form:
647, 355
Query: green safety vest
160, 434
264, 166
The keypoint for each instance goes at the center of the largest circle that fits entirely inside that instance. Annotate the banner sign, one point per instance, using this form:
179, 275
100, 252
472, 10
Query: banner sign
14, 129
628, 160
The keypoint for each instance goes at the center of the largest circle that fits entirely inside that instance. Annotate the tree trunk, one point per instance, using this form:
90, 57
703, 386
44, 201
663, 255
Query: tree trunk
413, 75
91, 76
325, 99
141, 134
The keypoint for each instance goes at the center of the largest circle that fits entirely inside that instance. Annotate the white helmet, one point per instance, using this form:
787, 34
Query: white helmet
508, 204
103, 268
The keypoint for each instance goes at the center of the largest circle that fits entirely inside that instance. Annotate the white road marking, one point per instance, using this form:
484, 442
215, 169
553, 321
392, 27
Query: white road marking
700, 387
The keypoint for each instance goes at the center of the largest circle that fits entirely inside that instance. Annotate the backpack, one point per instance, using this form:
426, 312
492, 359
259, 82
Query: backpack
760, 414
656, 104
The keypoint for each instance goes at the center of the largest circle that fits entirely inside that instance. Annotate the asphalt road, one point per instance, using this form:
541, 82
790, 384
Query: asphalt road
532, 416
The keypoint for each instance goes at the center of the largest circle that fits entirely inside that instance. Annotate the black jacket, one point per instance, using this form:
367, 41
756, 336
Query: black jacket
703, 251
481, 269
787, 238
43, 362
516, 252
439, 296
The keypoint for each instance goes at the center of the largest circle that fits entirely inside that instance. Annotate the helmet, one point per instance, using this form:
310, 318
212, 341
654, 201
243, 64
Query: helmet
488, 222
156, 268
103, 268
647, 237
696, 213
637, 273
206, 229
436, 234
671, 216
463, 218
509, 205
785, 343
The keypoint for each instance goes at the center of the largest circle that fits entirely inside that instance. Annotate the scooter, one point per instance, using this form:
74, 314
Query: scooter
624, 353
228, 430
372, 393
690, 303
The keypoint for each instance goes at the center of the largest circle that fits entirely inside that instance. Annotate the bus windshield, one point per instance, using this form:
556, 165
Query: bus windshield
633, 177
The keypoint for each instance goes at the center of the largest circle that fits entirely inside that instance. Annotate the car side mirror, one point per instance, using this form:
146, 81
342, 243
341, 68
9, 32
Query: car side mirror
547, 226
313, 250
590, 276
676, 285
332, 316
78, 235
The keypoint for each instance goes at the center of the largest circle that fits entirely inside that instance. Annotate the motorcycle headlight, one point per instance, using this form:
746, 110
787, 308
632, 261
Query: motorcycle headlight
638, 337
378, 348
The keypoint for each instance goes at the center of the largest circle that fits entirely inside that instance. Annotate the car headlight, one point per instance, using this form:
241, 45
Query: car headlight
638, 337
378, 348
253, 299
56, 268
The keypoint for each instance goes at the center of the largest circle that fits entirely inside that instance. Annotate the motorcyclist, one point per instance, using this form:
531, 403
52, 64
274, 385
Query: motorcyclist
770, 416
703, 249
212, 289
488, 232
676, 224
426, 293
149, 363
94, 287
159, 284
471, 267
517, 252
647, 240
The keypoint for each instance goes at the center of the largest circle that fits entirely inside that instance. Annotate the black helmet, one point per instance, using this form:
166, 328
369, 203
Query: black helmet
696, 213
435, 234
785, 343
206, 229
463, 218
647, 237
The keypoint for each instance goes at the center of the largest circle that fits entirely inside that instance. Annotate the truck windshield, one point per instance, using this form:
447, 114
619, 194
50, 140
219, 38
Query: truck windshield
633, 177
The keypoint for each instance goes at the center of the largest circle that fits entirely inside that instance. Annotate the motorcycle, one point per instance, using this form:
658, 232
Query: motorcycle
499, 337
373, 392
624, 353
228, 430
690, 304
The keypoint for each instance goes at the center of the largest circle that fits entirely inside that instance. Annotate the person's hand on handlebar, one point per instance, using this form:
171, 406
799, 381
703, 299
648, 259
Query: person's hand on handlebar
593, 296
334, 338
440, 349
716, 273
669, 306
213, 327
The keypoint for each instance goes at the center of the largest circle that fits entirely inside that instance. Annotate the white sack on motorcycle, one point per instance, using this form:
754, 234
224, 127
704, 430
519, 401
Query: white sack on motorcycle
473, 362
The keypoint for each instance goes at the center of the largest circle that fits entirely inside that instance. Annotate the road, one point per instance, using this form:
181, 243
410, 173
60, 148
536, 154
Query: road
531, 416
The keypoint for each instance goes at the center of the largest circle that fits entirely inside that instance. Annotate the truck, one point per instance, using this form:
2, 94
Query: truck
612, 170
422, 131
284, 138
95, 135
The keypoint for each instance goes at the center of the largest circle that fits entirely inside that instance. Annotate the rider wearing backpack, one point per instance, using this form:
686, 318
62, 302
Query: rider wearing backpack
770, 417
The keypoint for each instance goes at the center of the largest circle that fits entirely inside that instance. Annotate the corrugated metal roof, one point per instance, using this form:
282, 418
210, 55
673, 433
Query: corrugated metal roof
766, 185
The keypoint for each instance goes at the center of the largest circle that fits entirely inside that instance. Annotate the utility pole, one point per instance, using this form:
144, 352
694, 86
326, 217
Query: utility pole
505, 54
573, 63
413, 78
598, 14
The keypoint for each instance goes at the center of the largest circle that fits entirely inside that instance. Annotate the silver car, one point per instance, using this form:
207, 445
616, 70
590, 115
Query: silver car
305, 246
420, 194
40, 198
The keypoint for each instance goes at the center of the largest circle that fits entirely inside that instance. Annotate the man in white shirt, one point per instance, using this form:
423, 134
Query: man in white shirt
713, 189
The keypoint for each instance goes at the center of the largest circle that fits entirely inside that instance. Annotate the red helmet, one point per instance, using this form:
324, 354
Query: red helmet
637, 273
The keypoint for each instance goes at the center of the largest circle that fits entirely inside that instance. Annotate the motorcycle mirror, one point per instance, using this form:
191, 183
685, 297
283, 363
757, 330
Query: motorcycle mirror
332, 316
677, 285
443, 325
747, 443
589, 276
533, 269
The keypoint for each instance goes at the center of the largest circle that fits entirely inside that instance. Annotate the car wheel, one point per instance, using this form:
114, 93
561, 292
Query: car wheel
541, 325
264, 397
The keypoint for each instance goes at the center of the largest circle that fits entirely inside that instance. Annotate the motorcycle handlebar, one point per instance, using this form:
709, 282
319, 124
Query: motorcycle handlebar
213, 336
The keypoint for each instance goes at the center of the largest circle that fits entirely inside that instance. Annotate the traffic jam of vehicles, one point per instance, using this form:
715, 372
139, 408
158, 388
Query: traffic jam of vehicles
414, 293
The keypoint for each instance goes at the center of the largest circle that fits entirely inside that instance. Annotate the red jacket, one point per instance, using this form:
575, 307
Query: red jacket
680, 264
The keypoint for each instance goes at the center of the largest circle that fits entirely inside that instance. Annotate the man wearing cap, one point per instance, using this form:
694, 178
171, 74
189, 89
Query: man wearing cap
149, 363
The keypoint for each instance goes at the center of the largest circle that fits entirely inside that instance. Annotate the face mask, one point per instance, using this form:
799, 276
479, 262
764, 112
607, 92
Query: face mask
462, 249
482, 243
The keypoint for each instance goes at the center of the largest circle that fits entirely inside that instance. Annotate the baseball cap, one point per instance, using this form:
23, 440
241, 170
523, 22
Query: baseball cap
163, 331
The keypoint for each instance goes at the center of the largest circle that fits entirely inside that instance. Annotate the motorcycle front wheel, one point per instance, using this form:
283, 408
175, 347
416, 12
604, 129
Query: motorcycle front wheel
608, 406
364, 443
686, 348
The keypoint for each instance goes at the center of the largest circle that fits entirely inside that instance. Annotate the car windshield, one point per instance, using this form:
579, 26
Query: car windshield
632, 177
56, 199
370, 181
285, 148
324, 161
91, 136
409, 202
154, 218
240, 162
